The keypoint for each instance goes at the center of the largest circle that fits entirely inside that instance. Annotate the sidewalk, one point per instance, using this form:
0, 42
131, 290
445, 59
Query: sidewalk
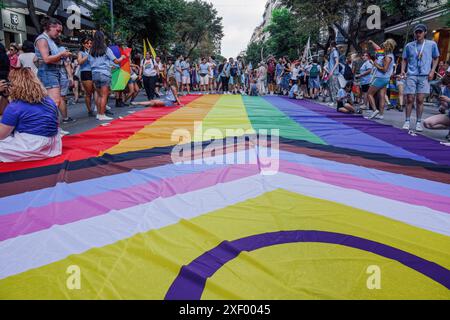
397, 119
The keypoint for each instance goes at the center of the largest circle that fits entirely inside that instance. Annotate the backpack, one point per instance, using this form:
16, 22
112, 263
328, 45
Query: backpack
348, 73
314, 72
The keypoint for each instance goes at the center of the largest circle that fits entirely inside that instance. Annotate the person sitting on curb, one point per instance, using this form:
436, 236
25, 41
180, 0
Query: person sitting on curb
29, 127
441, 121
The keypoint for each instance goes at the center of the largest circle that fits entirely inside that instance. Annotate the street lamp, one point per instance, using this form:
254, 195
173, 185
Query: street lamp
111, 9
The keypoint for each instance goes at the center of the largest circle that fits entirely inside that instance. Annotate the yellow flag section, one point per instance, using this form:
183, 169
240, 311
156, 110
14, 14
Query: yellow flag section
227, 118
210, 116
145, 265
160, 132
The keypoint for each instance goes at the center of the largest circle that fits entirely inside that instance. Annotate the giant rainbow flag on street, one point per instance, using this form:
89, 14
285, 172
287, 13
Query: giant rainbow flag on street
337, 201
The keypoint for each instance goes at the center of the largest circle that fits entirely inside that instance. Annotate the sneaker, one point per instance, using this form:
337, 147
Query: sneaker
406, 126
374, 114
91, 114
331, 104
379, 117
419, 127
109, 113
68, 120
102, 117
64, 132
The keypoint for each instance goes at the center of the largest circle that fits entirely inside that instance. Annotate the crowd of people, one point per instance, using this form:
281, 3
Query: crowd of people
35, 80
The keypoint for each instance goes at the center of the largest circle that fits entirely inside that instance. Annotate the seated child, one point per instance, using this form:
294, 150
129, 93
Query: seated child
441, 121
345, 99
254, 88
293, 93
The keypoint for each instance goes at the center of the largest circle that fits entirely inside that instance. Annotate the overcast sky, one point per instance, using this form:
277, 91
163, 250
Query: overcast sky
240, 18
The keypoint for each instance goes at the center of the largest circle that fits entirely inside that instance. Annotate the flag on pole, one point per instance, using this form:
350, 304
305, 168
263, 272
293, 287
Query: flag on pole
307, 52
151, 49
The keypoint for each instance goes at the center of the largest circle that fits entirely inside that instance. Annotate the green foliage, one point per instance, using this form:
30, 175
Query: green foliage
172, 26
285, 38
253, 52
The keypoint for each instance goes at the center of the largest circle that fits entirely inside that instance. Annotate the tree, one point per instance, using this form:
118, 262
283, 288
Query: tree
285, 39
349, 17
172, 26
194, 30
253, 52
54, 4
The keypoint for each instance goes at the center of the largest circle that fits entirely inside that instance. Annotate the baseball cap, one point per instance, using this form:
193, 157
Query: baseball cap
420, 26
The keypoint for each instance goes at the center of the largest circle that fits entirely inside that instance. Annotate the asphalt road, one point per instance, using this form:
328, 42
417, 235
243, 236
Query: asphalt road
84, 123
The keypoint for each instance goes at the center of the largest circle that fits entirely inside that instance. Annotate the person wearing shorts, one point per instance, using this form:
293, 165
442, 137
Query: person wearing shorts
185, 76
384, 68
314, 71
214, 78
204, 72
178, 71
49, 60
365, 76
421, 56
441, 121
100, 58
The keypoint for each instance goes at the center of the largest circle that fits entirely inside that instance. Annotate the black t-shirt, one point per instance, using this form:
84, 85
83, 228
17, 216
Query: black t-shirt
4, 67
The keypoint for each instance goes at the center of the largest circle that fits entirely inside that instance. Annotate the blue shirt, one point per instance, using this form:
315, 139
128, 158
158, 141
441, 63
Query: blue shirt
185, 68
332, 61
86, 66
204, 69
343, 96
367, 65
279, 69
177, 66
39, 119
103, 63
388, 73
420, 57
293, 90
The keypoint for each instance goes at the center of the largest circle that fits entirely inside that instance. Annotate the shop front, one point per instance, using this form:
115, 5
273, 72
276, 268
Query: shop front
13, 27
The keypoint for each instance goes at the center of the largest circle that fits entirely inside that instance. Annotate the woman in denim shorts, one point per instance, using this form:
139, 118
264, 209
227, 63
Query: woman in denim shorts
49, 59
100, 58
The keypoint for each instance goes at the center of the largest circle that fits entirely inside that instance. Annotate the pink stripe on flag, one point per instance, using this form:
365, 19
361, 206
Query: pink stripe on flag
382, 189
40, 218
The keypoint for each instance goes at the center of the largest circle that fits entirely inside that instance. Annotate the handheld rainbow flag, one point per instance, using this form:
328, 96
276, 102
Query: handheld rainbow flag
122, 74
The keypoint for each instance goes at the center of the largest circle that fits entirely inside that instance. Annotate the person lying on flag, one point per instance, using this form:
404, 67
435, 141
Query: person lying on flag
168, 100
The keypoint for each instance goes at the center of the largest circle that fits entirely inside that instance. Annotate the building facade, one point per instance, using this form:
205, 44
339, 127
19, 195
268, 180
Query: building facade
16, 24
259, 34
